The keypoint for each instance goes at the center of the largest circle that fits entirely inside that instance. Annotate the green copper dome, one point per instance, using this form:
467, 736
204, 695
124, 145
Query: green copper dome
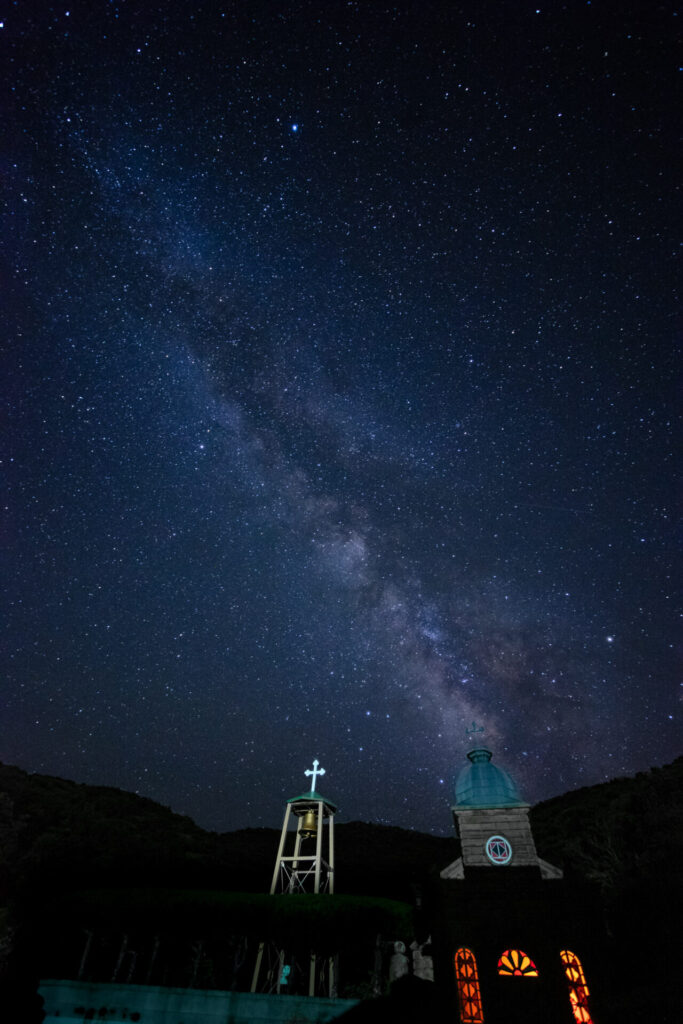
482, 784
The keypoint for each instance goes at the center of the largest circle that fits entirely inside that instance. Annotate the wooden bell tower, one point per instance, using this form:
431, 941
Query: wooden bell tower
304, 864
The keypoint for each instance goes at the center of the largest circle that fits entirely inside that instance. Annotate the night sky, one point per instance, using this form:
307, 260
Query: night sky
338, 395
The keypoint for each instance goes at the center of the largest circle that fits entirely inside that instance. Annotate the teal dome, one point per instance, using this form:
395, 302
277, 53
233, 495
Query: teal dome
482, 784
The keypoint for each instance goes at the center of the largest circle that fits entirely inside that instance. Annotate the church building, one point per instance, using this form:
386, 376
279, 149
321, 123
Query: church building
511, 939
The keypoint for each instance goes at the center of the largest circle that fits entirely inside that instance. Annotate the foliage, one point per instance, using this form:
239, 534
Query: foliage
325, 923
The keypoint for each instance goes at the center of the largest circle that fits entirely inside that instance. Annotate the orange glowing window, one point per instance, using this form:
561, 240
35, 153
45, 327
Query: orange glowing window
469, 995
516, 962
578, 989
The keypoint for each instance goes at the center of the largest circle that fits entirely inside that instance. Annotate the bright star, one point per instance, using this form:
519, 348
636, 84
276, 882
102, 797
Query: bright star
295, 127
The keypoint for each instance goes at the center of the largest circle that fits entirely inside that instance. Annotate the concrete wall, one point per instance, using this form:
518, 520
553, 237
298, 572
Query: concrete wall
73, 1002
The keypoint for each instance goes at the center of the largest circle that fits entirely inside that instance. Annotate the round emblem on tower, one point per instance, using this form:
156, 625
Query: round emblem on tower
498, 850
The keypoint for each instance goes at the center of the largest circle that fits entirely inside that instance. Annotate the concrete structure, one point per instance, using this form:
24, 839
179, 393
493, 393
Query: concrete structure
301, 865
75, 1002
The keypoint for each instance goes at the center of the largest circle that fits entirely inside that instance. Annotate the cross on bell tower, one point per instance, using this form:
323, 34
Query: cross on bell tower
315, 771
304, 869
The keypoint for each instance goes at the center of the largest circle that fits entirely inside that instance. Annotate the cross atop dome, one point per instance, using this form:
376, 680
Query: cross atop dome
474, 729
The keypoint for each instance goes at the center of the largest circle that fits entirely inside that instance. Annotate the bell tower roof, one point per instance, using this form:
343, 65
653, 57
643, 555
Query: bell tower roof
312, 798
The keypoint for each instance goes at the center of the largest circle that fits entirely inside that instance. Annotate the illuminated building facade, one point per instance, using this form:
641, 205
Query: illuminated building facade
512, 941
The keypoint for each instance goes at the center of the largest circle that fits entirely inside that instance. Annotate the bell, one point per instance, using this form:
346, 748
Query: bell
309, 825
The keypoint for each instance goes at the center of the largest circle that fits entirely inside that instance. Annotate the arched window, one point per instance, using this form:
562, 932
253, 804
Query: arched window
516, 962
578, 989
469, 994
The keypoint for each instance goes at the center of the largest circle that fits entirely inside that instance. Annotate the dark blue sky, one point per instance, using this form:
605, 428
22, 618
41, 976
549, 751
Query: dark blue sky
339, 398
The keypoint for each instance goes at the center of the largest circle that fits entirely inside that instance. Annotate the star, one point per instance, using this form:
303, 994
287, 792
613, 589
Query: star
432, 415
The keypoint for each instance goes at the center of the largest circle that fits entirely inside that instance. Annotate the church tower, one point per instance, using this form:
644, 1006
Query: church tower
511, 941
491, 819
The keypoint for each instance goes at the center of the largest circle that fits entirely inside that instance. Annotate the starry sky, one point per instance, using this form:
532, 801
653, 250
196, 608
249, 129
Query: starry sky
338, 398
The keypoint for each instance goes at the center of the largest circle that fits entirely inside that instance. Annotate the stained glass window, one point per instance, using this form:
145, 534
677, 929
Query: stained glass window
466, 974
578, 989
498, 850
516, 962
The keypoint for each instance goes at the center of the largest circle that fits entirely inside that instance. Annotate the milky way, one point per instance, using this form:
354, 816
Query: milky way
338, 381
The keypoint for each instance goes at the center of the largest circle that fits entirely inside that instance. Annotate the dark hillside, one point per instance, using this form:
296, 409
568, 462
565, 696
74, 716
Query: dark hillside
626, 837
620, 835
56, 835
